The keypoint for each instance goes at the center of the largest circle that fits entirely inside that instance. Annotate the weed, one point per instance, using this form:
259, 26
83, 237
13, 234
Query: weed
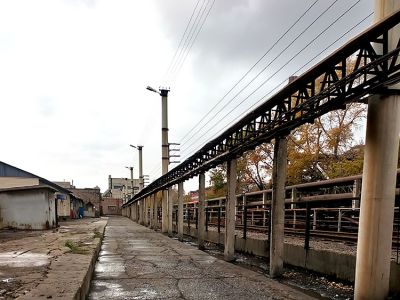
75, 248
97, 233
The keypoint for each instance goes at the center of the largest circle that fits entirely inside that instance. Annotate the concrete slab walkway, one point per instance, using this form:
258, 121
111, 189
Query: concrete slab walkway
138, 263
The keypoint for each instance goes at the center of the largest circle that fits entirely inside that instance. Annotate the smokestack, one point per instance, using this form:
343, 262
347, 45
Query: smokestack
109, 182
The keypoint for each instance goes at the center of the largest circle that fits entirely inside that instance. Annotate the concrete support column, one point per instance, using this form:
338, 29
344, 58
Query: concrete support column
170, 211
142, 212
379, 181
146, 211
180, 211
151, 210
278, 208
202, 212
164, 211
135, 217
139, 211
377, 198
155, 224
230, 206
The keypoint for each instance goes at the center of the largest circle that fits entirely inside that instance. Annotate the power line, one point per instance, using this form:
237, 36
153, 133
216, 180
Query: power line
191, 45
254, 65
284, 81
184, 49
180, 42
272, 61
276, 72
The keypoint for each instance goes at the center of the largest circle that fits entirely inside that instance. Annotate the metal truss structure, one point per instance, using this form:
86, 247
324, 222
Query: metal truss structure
362, 67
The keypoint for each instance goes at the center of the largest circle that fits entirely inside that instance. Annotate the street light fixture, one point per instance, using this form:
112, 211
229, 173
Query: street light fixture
152, 90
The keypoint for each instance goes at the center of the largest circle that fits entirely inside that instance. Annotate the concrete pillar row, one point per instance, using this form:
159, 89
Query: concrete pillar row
230, 206
201, 211
278, 208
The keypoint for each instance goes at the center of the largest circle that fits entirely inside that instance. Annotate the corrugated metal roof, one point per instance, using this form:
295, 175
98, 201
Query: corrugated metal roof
26, 188
7, 170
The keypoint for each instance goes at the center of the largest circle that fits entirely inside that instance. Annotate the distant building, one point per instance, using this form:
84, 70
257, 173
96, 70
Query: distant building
28, 201
121, 188
111, 206
91, 198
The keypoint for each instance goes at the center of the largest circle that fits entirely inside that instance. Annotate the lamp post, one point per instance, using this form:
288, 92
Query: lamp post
163, 92
131, 169
164, 127
141, 181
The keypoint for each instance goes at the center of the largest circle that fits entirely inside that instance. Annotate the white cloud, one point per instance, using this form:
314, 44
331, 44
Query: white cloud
73, 75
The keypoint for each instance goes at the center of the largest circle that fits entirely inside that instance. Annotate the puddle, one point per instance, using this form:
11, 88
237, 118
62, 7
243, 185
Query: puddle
20, 260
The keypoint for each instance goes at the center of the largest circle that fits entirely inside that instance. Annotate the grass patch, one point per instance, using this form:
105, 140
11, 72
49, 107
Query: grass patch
97, 234
75, 248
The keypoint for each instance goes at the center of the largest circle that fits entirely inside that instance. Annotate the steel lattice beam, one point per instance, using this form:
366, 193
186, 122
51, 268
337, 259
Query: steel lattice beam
328, 86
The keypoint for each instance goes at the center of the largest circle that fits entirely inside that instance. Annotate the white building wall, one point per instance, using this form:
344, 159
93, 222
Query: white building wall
27, 209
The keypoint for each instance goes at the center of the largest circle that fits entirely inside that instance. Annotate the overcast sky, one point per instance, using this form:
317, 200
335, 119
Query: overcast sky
73, 75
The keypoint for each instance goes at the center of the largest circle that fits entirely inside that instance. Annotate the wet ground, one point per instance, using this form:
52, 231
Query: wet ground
138, 263
314, 284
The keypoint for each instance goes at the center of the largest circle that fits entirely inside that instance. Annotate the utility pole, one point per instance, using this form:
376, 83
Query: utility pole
164, 151
131, 169
141, 178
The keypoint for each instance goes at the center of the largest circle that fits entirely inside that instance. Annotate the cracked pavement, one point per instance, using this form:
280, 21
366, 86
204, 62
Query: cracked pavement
38, 265
138, 263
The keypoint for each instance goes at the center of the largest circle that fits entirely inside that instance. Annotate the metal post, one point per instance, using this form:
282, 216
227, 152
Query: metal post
219, 219
230, 205
245, 221
339, 225
314, 225
207, 219
180, 211
278, 207
379, 181
307, 233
